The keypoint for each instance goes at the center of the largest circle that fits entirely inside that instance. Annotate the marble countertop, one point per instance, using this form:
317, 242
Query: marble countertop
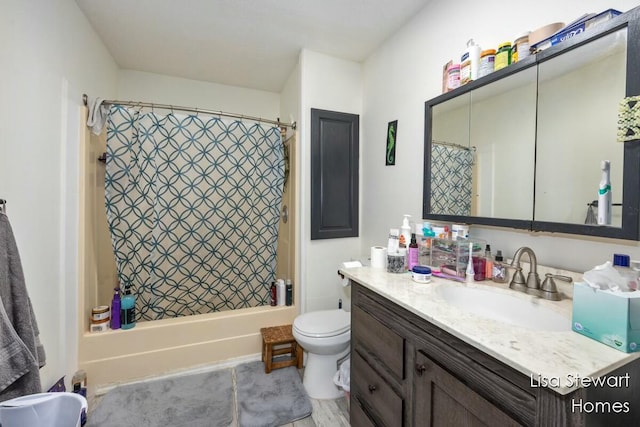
557, 358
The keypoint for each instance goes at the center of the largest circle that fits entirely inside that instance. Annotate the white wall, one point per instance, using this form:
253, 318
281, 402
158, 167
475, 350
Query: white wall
161, 89
407, 71
50, 56
334, 84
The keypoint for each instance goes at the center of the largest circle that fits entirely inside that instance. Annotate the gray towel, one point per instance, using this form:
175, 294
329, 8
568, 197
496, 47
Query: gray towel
21, 354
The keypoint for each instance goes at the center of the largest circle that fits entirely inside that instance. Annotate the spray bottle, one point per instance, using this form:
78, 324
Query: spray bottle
604, 194
413, 254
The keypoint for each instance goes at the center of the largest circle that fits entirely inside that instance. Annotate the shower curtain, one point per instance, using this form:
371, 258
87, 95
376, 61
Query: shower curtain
193, 208
451, 180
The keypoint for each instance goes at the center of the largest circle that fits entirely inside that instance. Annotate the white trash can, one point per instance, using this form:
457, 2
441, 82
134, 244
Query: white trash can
43, 410
342, 379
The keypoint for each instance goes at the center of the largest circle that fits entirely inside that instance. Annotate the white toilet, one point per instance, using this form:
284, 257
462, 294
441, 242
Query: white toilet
325, 336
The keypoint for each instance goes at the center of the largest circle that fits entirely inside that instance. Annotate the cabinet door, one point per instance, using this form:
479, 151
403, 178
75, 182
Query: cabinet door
442, 400
376, 397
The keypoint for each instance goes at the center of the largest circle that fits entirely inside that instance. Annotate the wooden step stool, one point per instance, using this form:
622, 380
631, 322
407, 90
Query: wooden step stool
280, 336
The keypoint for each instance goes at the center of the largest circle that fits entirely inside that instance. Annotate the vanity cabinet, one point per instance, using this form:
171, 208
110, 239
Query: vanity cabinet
447, 401
522, 146
378, 379
405, 371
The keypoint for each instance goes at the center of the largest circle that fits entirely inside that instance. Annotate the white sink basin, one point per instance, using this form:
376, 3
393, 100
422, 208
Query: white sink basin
503, 307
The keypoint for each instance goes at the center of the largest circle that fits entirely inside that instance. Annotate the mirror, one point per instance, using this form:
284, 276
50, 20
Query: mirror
483, 148
578, 97
522, 147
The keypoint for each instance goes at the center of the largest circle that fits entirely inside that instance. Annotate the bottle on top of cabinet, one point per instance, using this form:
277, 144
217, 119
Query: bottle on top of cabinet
503, 56
470, 63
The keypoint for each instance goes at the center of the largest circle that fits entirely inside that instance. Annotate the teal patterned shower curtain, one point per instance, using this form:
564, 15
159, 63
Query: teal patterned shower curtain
451, 180
193, 208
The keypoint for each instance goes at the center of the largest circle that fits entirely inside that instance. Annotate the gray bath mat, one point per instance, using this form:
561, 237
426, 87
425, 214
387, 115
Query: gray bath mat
270, 399
198, 400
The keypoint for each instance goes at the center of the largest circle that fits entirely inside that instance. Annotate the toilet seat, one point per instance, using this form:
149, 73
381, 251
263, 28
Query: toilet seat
323, 324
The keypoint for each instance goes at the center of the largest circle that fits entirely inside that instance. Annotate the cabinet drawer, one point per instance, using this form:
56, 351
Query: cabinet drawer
379, 342
374, 394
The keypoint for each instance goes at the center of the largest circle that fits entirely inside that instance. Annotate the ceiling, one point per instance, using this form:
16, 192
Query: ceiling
247, 43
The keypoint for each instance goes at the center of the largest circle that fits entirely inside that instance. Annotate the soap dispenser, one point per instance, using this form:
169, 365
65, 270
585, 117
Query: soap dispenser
405, 232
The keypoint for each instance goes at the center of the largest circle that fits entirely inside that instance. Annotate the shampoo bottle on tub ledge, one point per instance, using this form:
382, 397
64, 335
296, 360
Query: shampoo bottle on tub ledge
127, 310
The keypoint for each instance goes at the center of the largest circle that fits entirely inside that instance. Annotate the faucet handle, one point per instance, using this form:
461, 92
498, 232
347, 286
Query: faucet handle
518, 281
548, 289
560, 277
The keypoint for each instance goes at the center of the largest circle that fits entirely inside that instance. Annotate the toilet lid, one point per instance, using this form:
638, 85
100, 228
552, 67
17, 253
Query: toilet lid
324, 323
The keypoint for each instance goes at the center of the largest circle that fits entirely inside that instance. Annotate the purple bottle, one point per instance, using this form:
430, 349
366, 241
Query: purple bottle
115, 310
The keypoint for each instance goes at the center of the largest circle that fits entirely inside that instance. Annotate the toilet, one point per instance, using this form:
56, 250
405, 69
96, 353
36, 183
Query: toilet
325, 336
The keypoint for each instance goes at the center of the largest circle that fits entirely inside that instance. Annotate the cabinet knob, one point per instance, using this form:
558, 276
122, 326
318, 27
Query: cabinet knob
420, 369
372, 388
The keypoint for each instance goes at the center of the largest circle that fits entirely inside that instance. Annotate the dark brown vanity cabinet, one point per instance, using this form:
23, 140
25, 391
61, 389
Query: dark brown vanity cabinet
443, 400
378, 373
407, 372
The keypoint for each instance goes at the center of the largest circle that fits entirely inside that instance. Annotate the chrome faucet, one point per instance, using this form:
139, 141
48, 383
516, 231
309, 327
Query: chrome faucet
518, 283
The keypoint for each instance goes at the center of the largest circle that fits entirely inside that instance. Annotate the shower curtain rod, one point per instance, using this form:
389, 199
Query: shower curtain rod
193, 110
453, 145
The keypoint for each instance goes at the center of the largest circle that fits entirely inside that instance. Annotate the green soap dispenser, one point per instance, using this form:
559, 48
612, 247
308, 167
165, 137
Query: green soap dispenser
127, 310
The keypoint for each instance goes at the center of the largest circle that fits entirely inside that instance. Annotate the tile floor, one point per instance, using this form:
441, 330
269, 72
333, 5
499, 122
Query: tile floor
326, 413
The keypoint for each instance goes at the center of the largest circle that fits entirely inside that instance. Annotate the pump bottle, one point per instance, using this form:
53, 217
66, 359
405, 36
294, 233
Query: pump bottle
405, 232
127, 310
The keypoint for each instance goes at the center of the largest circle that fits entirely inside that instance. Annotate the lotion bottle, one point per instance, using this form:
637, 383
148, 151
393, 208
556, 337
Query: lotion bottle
604, 194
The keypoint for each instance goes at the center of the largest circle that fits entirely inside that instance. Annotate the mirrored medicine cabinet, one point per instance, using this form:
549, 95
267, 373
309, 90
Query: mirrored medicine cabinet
522, 147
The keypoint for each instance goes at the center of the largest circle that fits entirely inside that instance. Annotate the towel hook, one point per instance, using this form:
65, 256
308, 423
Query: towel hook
3, 206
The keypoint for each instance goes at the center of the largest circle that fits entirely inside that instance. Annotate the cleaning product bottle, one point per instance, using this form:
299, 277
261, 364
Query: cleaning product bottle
405, 232
115, 309
604, 194
413, 252
127, 309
